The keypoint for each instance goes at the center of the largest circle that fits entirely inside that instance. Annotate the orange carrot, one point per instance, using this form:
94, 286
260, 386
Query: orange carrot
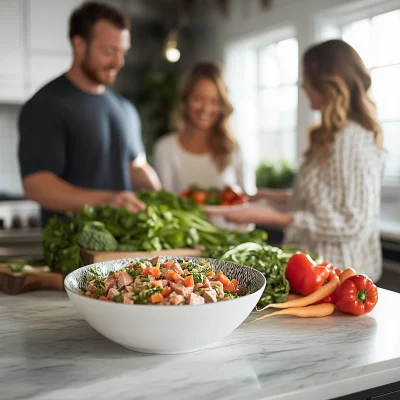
189, 281
312, 298
211, 275
156, 298
166, 291
235, 282
104, 298
347, 273
186, 272
156, 283
293, 296
314, 311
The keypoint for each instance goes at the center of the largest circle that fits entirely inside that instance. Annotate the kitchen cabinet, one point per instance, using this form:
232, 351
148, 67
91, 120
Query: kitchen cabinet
49, 49
12, 71
48, 25
34, 45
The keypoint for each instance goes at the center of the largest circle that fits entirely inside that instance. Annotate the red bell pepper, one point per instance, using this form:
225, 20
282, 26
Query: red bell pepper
304, 275
357, 295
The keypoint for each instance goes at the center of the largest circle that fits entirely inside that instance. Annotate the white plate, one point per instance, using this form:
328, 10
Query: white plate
236, 207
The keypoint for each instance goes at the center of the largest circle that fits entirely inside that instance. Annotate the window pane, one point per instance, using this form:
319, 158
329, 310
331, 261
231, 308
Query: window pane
287, 107
278, 146
391, 140
385, 38
386, 90
358, 35
270, 146
269, 69
288, 60
289, 144
269, 109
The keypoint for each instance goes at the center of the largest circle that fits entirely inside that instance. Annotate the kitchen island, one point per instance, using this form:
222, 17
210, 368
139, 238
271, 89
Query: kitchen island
48, 352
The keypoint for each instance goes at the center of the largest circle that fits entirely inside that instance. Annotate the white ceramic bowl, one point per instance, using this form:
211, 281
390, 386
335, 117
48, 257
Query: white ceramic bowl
167, 329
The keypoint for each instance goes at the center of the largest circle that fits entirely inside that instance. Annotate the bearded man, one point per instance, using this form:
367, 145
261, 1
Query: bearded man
80, 142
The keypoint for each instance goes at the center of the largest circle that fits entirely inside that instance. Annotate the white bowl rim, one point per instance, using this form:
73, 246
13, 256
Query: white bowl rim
113, 303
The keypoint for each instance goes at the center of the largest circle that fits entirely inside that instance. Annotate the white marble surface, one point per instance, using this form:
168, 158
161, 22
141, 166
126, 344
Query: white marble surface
48, 352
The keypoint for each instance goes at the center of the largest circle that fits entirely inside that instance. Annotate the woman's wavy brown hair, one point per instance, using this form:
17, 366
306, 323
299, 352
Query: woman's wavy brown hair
337, 72
222, 144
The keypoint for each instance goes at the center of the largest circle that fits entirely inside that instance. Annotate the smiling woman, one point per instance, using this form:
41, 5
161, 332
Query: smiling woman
203, 151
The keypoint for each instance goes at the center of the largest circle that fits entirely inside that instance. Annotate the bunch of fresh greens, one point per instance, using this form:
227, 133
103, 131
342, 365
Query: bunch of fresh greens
167, 223
271, 261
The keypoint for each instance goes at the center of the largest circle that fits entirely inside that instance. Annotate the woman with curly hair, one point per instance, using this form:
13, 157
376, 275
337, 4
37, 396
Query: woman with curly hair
203, 150
335, 203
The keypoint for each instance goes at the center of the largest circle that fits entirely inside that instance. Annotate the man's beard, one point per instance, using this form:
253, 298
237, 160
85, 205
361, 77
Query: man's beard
93, 73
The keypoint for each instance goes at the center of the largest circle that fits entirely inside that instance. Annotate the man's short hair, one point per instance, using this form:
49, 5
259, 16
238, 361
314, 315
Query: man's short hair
85, 17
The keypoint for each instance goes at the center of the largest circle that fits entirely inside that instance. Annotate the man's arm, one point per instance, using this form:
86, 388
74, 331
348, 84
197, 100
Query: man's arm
55, 194
143, 176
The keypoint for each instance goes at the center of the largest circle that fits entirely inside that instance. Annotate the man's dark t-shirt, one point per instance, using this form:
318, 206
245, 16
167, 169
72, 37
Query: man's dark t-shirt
88, 140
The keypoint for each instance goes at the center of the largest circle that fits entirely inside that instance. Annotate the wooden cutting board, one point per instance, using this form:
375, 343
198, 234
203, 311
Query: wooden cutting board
18, 282
92, 257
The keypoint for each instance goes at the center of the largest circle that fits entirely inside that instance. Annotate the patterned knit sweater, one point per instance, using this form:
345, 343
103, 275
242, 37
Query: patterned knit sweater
336, 205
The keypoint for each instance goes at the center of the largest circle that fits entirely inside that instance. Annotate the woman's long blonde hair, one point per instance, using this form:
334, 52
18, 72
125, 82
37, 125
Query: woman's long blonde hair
222, 144
337, 72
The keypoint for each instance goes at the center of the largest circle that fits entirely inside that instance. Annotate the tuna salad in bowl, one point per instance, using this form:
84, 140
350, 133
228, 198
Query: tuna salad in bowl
165, 305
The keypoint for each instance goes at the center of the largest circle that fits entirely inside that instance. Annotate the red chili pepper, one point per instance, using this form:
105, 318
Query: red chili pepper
304, 275
357, 295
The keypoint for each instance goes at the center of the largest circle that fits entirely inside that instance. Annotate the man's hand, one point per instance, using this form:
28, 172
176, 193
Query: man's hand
127, 200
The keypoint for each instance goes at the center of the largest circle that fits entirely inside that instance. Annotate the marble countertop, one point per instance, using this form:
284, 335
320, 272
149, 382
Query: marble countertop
48, 352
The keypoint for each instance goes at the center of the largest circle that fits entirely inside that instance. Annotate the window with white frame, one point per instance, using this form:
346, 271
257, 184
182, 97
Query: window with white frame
376, 39
262, 75
277, 99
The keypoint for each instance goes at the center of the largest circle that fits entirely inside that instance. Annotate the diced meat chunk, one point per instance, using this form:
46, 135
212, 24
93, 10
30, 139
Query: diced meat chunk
124, 280
112, 292
174, 265
157, 260
180, 289
195, 299
218, 287
177, 299
127, 300
210, 296
91, 287
109, 283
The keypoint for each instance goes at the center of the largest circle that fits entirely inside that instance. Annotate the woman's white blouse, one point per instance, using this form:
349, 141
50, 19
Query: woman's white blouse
336, 205
178, 169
